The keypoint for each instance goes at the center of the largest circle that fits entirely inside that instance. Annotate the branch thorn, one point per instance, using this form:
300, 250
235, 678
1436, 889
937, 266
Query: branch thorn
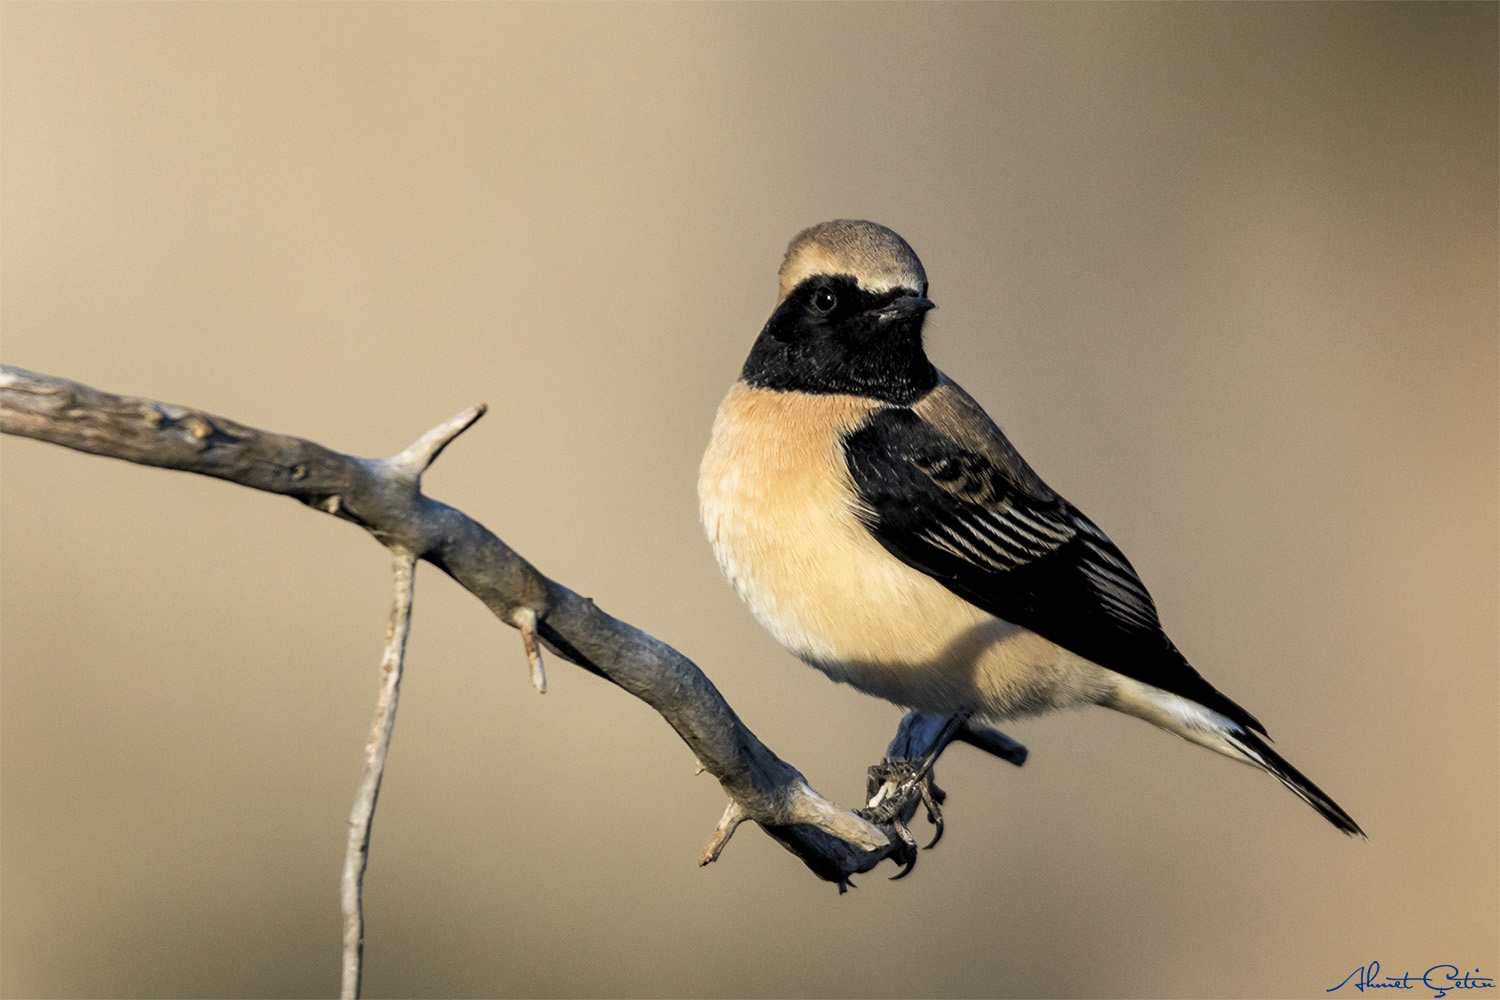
424, 450
525, 619
734, 815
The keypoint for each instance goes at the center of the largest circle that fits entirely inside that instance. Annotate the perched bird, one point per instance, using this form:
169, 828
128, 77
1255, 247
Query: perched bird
885, 531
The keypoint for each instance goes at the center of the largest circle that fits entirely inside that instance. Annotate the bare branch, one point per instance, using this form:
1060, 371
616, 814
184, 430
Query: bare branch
385, 498
992, 741
362, 815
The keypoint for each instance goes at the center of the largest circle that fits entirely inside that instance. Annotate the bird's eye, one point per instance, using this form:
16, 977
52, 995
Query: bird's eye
824, 300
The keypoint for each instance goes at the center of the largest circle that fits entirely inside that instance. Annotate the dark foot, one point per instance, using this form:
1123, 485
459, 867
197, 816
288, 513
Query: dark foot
895, 788
904, 778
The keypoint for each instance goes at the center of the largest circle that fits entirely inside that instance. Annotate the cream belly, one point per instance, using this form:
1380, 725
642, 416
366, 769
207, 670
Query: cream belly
778, 507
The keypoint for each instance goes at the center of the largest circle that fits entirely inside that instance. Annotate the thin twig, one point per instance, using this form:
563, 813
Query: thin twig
734, 815
357, 853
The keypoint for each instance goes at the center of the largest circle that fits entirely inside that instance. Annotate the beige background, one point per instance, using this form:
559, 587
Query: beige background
1227, 274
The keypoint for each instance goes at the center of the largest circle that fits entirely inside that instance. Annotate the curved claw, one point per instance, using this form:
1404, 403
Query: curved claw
937, 832
909, 855
934, 816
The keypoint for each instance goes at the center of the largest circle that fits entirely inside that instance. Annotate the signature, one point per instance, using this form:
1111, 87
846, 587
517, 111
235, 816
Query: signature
1440, 979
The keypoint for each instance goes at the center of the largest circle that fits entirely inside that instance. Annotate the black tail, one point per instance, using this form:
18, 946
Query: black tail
1259, 751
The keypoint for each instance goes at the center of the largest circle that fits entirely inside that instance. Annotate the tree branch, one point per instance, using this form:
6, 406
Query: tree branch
362, 815
384, 497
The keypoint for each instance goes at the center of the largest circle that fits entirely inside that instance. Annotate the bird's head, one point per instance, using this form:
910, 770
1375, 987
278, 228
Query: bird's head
849, 318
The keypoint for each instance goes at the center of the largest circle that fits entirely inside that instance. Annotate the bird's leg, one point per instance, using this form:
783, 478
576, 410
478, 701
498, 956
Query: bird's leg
904, 778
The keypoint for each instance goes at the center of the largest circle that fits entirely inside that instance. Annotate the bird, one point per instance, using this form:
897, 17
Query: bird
885, 531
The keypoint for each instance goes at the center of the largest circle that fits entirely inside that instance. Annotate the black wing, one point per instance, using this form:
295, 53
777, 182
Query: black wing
1003, 541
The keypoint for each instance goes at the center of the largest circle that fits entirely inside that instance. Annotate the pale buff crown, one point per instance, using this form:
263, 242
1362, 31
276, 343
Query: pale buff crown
873, 255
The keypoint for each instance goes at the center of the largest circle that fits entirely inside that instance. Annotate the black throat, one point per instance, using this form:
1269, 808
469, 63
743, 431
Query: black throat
828, 336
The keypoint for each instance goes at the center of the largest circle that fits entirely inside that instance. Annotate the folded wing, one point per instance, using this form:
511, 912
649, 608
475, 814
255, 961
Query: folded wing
964, 508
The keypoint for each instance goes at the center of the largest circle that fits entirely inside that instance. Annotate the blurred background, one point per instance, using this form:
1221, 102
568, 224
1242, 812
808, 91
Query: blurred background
1226, 274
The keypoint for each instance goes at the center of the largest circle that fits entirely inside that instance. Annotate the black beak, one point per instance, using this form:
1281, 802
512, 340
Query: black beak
907, 305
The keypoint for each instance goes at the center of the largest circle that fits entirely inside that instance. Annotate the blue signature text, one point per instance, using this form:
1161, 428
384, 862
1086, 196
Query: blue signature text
1440, 979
